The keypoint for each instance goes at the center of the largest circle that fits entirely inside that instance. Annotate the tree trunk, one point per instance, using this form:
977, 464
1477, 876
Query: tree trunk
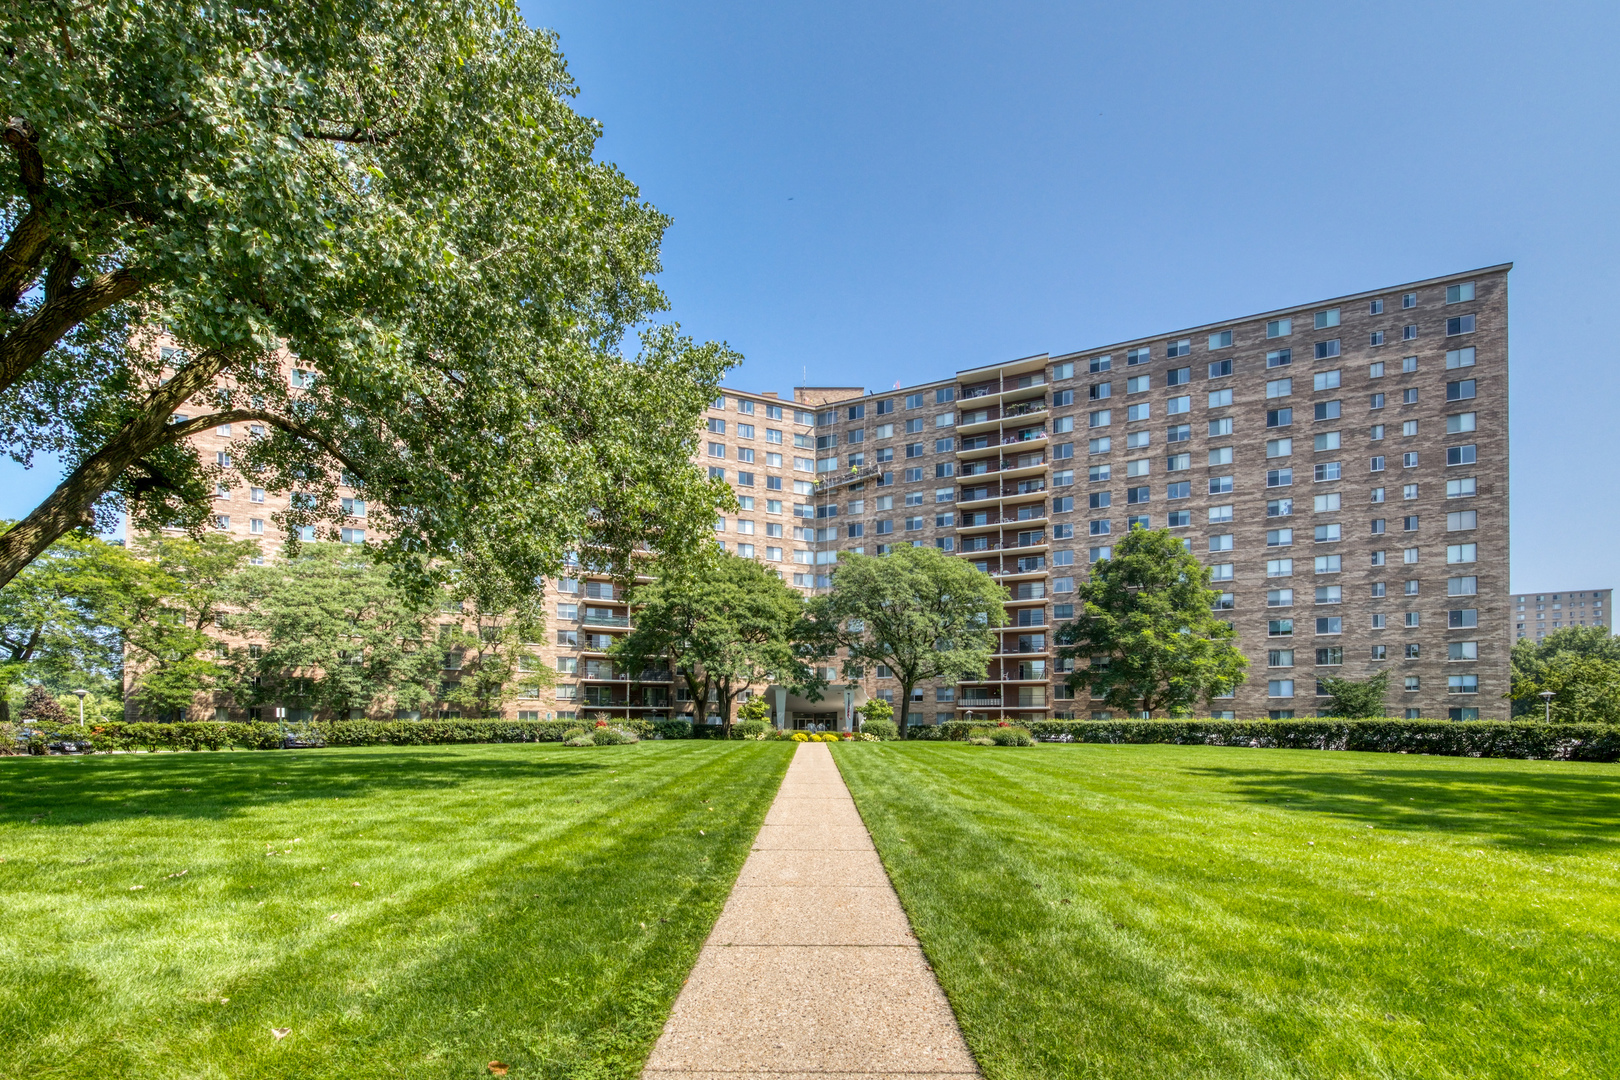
905, 702
725, 695
72, 504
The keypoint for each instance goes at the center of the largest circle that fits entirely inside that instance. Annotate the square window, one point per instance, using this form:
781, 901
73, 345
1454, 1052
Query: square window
1220, 399
1327, 349
1409, 300
1461, 324
1220, 369
1279, 328
1409, 332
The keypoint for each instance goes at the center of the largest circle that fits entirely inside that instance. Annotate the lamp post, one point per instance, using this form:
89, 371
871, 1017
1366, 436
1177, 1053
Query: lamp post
80, 695
1547, 696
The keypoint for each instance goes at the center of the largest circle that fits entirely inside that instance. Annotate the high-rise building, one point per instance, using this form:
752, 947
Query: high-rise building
1341, 466
1537, 614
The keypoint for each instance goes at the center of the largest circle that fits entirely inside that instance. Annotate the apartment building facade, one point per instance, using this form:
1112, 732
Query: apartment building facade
1341, 466
1537, 614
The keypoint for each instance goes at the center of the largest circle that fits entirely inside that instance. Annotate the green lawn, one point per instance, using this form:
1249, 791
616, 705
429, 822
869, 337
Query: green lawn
405, 911
1162, 911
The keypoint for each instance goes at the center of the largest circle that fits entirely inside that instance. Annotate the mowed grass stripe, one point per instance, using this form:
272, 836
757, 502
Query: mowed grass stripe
499, 912
1187, 911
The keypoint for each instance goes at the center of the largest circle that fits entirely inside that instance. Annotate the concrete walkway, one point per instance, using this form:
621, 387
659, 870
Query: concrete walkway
811, 970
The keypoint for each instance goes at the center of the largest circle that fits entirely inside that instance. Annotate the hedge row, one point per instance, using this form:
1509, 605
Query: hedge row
39, 738
1467, 738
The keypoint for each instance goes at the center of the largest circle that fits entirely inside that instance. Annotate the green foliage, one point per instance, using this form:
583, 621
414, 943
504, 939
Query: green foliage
497, 618
881, 729
38, 704
395, 192
613, 736
875, 709
1146, 628
751, 729
754, 709
1355, 699
338, 636
724, 626
1011, 735
1580, 665
1389, 735
924, 614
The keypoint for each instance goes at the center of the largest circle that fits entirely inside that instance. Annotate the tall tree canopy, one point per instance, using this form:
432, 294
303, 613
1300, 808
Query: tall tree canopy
725, 626
1355, 699
339, 638
393, 192
924, 614
1579, 664
1146, 627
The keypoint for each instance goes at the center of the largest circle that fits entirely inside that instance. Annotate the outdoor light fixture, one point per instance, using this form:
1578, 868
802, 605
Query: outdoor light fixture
80, 695
1547, 696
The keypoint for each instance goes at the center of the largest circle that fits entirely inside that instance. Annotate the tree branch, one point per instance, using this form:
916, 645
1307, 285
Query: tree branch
198, 424
20, 258
22, 348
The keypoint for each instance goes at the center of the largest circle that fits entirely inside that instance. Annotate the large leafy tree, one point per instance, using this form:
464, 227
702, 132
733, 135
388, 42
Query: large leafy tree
724, 626
488, 641
924, 614
394, 192
1146, 627
1579, 664
337, 636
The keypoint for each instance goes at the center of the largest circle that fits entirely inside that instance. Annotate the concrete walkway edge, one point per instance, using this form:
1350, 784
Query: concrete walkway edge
812, 969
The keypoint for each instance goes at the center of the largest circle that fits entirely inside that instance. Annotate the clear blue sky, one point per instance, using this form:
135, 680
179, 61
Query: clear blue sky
883, 191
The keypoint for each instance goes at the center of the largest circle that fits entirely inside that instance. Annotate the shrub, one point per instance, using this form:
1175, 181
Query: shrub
1010, 735
581, 739
883, 729
1467, 738
614, 736
981, 740
800, 736
751, 729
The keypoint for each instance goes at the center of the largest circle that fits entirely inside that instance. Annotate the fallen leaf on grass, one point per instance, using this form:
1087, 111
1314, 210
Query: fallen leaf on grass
132, 888
280, 1033
224, 1001
354, 884
498, 1068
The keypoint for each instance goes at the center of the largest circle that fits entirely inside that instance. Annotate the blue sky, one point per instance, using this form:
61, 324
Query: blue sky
883, 191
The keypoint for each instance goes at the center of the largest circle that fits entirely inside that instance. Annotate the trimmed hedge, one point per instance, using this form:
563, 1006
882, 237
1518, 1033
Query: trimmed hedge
40, 738
1450, 738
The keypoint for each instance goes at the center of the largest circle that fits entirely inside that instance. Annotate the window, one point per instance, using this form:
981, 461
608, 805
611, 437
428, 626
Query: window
1326, 534
1100, 363
1377, 527
1173, 463
1462, 519
1375, 338
1279, 537
1220, 369
1463, 390
1409, 555
1326, 410
1461, 422
1279, 507
1279, 658
1327, 349
1221, 456
1140, 466
1280, 628
1461, 324
1328, 564
1221, 571
1375, 371
1101, 418
1328, 440
1459, 358
1278, 478
914, 450
884, 407
1460, 455
914, 475
948, 393
1279, 568
1177, 405
1409, 523
1378, 623
1327, 470
1280, 688
1461, 489
1377, 495
1279, 328
1462, 586
1137, 356
1219, 399
1276, 388
1409, 332
1279, 447
1279, 358
1100, 391
1332, 624
1139, 495
1220, 542
1219, 514
1180, 347
1329, 594
1178, 377
1179, 519
1462, 553
1218, 485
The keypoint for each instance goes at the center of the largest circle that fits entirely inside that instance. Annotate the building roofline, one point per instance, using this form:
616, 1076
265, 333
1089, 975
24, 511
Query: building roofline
1290, 309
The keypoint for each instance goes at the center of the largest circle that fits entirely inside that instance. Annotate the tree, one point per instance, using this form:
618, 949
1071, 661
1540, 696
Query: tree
1147, 628
54, 619
339, 637
40, 705
1585, 685
726, 626
393, 192
497, 619
1532, 660
924, 614
1355, 699
876, 710
169, 617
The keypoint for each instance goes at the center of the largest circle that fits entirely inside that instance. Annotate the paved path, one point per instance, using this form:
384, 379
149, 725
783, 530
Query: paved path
811, 970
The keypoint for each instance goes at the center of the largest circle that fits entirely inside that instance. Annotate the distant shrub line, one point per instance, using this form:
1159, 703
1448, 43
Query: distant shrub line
40, 738
1390, 735
1472, 738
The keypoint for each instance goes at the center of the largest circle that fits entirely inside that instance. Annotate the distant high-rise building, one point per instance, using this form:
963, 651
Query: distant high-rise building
1538, 614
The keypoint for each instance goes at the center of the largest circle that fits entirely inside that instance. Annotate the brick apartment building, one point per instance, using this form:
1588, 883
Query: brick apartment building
1342, 466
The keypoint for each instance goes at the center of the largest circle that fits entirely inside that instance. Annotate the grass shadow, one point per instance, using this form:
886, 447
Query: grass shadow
1544, 812
81, 790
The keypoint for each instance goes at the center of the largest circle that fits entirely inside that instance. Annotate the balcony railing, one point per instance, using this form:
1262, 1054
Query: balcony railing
606, 620
1025, 409
611, 676
980, 703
